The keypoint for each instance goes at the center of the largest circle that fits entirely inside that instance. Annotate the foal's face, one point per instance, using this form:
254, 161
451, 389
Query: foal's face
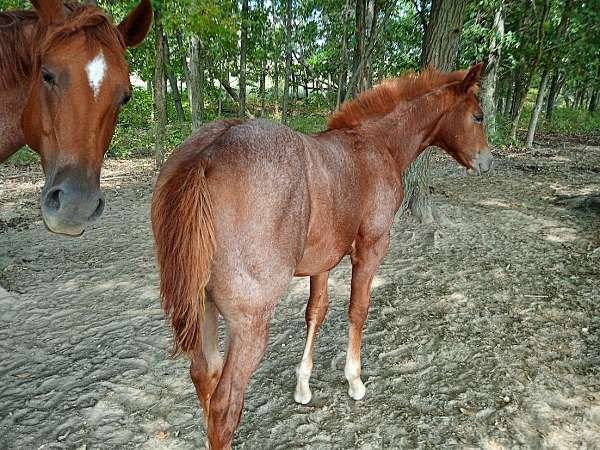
462, 131
70, 117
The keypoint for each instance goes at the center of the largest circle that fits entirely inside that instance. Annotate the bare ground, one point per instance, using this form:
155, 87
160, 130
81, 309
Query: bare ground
484, 331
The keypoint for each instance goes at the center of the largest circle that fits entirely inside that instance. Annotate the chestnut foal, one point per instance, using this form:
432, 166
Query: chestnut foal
243, 207
64, 79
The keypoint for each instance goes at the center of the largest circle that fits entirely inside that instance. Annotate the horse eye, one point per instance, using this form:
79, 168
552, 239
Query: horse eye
478, 118
48, 77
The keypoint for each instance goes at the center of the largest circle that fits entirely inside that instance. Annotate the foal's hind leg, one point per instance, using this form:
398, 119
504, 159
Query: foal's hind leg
365, 263
315, 314
207, 362
248, 338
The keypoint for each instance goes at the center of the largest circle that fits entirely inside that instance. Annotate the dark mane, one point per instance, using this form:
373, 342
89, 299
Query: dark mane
384, 98
19, 51
15, 53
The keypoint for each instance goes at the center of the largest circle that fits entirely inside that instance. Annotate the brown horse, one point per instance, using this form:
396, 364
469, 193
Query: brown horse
64, 78
243, 207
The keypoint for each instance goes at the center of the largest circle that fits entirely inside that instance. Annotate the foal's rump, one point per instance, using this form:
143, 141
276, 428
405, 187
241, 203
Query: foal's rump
229, 215
257, 181
184, 235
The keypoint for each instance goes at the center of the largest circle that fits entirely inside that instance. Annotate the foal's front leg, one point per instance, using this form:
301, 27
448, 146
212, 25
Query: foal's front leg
365, 263
315, 314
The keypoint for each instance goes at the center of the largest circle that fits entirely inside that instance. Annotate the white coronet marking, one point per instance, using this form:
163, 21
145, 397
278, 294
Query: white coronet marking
96, 71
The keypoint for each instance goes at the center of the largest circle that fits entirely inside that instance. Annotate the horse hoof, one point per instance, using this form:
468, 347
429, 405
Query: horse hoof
302, 395
357, 390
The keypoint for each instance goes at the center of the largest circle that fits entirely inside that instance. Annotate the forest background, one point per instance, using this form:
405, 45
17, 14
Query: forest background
296, 61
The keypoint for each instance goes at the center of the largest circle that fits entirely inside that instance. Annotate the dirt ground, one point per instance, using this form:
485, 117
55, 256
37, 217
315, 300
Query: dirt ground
484, 330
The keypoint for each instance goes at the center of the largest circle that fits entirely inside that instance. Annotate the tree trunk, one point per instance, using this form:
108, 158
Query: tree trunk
196, 82
359, 44
508, 99
160, 105
539, 103
243, 46
343, 75
288, 60
263, 66
295, 85
516, 91
276, 87
489, 80
440, 49
359, 72
173, 82
552, 94
186, 68
594, 97
593, 101
540, 38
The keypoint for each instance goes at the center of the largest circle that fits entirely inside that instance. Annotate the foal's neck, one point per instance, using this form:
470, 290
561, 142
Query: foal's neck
410, 128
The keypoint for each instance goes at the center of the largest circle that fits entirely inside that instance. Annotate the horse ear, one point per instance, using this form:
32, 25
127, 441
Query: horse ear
472, 77
50, 11
136, 25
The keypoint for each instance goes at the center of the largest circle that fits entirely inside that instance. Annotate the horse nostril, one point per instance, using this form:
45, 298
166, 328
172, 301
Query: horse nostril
54, 199
99, 209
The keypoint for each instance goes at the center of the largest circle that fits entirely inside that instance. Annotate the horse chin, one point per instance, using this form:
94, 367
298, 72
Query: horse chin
481, 164
71, 231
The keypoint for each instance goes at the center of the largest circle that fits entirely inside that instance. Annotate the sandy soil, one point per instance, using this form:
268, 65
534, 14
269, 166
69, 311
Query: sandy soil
484, 331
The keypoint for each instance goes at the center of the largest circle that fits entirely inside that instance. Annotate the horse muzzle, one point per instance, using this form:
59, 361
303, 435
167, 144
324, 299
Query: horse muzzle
68, 207
483, 163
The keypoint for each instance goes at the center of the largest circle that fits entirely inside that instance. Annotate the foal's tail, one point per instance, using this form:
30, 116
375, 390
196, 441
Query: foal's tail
182, 222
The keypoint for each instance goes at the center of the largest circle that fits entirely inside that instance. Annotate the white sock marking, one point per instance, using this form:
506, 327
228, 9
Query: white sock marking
303, 372
96, 70
356, 388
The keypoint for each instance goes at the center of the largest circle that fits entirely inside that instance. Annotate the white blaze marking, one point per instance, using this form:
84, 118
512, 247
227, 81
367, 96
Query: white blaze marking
96, 70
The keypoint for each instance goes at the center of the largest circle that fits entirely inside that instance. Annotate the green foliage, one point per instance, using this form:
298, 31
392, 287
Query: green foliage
572, 122
134, 135
321, 31
309, 123
24, 157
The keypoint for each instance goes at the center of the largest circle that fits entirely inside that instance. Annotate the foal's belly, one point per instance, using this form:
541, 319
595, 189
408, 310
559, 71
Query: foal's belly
323, 254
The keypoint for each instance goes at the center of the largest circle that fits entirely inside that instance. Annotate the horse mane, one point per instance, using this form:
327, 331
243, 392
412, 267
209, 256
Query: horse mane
19, 53
15, 57
384, 98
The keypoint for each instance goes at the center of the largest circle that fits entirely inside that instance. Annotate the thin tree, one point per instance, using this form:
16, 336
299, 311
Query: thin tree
196, 78
288, 60
243, 47
551, 61
343, 64
539, 103
359, 45
172, 77
440, 49
519, 99
490, 77
160, 105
